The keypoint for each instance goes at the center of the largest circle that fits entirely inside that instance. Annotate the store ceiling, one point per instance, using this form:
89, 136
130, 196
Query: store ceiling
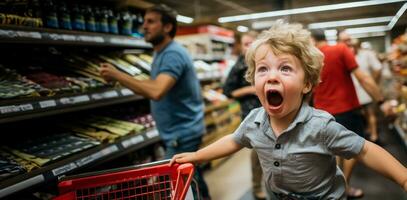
208, 11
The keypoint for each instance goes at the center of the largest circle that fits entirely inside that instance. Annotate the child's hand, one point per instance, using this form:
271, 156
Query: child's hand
183, 158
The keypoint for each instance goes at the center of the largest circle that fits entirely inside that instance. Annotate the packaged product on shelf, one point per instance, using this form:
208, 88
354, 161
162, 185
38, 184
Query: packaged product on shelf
78, 18
9, 167
113, 22
13, 85
50, 148
50, 14
25, 164
89, 18
64, 16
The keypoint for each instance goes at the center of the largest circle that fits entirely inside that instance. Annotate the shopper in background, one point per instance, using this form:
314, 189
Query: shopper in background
174, 90
336, 93
296, 143
370, 64
238, 88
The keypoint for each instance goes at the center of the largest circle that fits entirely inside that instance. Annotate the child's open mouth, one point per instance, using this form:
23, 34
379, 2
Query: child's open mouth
274, 98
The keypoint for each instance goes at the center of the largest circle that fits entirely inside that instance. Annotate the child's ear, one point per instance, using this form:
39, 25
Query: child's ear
307, 88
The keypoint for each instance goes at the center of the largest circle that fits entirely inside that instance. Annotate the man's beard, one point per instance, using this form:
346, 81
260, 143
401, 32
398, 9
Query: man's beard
157, 39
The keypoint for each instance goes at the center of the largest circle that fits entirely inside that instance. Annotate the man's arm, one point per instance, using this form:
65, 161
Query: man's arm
152, 89
368, 84
383, 162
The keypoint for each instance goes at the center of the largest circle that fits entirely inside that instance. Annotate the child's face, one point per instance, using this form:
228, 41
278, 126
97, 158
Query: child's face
279, 82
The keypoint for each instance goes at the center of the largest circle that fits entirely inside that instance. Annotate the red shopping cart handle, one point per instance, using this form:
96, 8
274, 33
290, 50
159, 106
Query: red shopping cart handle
174, 180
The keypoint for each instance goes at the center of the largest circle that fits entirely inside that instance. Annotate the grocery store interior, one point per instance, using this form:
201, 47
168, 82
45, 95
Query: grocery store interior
61, 119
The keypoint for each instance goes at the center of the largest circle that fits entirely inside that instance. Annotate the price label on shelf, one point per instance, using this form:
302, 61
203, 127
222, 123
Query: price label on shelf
76, 99
91, 158
110, 94
96, 39
67, 37
152, 133
64, 169
132, 141
16, 108
48, 103
29, 34
97, 96
126, 92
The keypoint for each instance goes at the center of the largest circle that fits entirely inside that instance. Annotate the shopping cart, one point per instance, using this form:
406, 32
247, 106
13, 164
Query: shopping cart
152, 181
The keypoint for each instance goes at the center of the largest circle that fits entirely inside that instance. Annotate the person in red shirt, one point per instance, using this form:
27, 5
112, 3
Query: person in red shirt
336, 93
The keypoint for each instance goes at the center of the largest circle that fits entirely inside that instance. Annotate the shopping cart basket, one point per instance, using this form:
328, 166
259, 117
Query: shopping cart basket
152, 181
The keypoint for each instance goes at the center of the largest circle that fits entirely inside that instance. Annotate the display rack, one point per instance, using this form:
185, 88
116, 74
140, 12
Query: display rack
11, 112
37, 107
90, 157
29, 35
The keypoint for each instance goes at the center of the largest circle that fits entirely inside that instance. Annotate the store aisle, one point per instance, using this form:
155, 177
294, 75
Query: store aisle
231, 180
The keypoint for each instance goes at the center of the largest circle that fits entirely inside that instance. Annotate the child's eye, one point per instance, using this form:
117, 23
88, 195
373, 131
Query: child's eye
285, 68
262, 69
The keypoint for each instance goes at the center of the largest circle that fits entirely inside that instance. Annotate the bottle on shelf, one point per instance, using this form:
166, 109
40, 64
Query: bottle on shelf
78, 20
113, 22
102, 20
90, 18
125, 23
137, 24
50, 16
64, 17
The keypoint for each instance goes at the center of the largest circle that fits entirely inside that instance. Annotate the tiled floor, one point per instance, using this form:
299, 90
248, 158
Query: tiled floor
231, 180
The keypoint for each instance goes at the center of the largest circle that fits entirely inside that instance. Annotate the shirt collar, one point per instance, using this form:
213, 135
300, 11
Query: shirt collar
302, 116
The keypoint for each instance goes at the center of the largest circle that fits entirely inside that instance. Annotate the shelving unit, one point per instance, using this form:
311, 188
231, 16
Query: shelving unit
21, 110
41, 36
14, 111
90, 157
220, 119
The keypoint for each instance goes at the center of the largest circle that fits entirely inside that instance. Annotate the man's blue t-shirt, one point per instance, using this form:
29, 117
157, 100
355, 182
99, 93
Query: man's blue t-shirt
179, 113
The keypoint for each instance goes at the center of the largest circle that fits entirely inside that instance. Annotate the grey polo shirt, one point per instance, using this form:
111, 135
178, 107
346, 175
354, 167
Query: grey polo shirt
302, 159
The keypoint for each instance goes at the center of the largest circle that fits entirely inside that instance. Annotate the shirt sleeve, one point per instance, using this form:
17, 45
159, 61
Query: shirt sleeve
349, 58
172, 64
240, 134
341, 141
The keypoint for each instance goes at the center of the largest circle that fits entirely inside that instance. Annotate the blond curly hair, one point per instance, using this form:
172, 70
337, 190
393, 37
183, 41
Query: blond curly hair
293, 39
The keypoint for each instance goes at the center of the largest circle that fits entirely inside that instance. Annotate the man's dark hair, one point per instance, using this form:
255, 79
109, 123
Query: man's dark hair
318, 34
168, 16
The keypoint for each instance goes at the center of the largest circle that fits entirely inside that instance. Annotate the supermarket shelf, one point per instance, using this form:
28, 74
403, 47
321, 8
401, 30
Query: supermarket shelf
11, 112
101, 153
29, 35
209, 76
208, 58
223, 104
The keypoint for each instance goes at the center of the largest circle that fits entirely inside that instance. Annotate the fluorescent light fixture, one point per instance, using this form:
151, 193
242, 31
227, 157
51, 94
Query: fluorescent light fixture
351, 22
305, 10
184, 19
397, 16
242, 29
368, 29
372, 34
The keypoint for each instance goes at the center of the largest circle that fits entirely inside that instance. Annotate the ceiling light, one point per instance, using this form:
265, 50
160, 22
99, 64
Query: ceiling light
349, 22
397, 16
305, 10
242, 29
184, 19
365, 35
370, 29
